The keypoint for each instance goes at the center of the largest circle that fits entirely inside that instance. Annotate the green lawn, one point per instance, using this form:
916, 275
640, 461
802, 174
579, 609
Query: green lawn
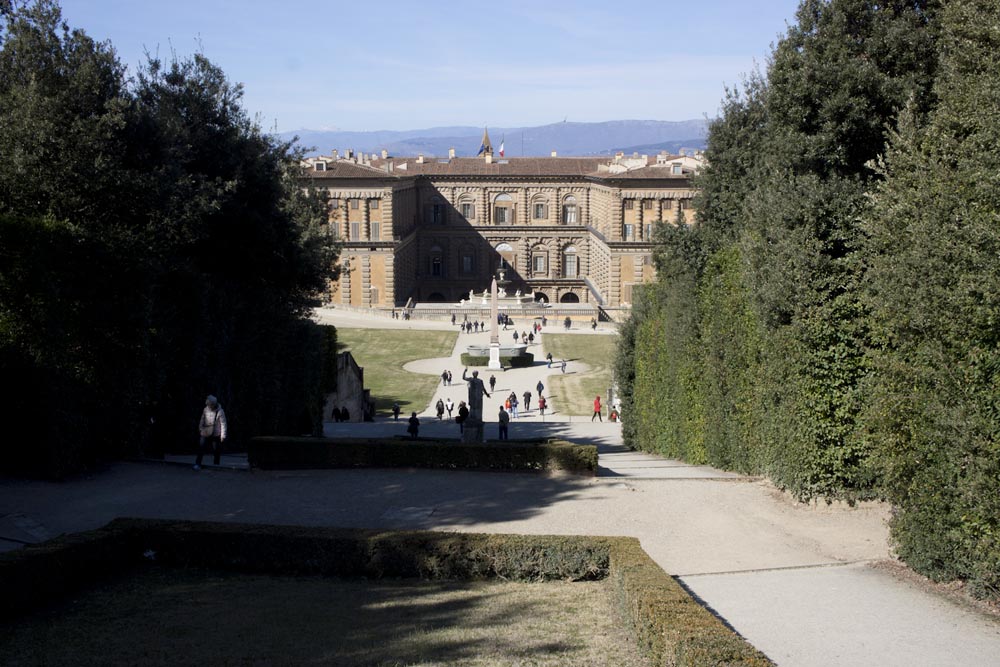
575, 392
383, 352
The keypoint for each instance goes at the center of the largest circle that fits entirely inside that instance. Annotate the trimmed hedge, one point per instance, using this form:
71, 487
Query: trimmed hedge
521, 361
670, 625
274, 452
672, 628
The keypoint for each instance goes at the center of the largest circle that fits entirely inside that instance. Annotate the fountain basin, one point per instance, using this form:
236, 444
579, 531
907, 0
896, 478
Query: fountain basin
505, 350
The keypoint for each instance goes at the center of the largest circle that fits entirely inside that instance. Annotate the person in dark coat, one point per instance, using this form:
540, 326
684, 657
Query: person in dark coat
439, 406
502, 420
463, 414
395, 411
345, 416
414, 428
336, 414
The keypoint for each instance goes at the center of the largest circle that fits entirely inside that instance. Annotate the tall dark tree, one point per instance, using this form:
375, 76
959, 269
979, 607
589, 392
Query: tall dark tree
156, 247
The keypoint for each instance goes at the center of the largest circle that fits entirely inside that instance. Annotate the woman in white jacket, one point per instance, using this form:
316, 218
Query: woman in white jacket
211, 430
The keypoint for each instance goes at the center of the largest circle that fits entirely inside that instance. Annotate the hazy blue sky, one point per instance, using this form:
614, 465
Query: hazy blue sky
407, 65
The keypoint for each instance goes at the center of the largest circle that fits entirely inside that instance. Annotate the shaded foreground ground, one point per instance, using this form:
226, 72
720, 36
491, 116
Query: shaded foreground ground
167, 616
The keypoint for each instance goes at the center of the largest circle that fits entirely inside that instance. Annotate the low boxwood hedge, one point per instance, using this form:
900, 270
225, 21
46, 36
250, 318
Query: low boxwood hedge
672, 628
278, 452
521, 361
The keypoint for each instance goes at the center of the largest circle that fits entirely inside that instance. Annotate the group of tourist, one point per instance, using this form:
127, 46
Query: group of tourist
524, 337
562, 364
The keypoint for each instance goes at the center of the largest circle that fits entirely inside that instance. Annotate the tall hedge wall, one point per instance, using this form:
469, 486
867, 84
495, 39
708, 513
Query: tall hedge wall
831, 319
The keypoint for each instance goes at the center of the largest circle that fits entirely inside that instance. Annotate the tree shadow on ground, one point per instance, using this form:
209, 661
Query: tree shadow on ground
262, 619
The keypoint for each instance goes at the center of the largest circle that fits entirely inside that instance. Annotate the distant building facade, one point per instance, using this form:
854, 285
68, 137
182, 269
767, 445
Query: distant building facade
568, 229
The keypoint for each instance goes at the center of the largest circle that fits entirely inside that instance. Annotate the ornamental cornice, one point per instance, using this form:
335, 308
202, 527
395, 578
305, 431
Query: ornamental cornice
358, 194
657, 194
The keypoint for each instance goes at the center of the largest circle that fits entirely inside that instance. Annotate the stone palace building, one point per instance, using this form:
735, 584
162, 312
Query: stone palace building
568, 229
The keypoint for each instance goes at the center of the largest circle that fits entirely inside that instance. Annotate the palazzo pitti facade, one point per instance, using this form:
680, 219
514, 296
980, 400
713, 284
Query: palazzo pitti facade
568, 229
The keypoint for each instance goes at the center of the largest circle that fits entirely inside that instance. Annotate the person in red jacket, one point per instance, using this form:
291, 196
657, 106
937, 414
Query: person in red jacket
597, 409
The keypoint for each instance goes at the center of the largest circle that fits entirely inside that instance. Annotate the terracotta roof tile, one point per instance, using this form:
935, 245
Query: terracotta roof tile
402, 167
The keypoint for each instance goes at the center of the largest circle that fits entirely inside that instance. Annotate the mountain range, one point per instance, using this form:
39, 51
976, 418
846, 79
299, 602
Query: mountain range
566, 138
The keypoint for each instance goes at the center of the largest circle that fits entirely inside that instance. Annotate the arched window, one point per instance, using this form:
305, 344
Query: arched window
570, 265
569, 216
436, 258
508, 258
437, 211
503, 209
539, 261
539, 208
467, 207
468, 255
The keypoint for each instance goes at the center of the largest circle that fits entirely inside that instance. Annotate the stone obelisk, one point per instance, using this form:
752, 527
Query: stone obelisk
494, 329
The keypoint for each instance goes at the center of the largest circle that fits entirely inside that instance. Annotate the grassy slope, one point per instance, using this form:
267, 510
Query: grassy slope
383, 352
574, 392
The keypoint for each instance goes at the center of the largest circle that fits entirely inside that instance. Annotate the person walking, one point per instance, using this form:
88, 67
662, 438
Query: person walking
531, 338
539, 387
513, 405
548, 358
439, 406
463, 414
515, 336
593, 324
449, 378
527, 401
567, 322
414, 428
493, 382
597, 409
444, 377
562, 366
395, 411
453, 319
212, 430
503, 419
542, 404
449, 405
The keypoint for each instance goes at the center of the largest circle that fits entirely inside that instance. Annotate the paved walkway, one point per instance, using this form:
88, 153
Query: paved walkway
806, 584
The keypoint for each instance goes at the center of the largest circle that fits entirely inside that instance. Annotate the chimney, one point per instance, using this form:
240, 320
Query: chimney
554, 154
336, 155
385, 153
420, 158
349, 153
489, 158
451, 153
